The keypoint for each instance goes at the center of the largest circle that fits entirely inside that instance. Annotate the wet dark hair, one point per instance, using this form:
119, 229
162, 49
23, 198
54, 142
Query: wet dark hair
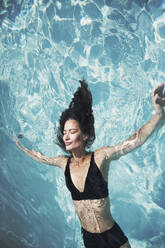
80, 109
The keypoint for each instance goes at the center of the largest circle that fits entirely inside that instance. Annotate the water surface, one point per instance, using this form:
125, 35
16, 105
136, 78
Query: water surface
46, 46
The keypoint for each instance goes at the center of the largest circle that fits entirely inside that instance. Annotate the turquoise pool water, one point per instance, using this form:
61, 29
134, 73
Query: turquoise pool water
46, 46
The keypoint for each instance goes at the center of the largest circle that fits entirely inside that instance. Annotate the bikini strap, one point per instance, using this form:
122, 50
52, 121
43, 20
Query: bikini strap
92, 157
67, 165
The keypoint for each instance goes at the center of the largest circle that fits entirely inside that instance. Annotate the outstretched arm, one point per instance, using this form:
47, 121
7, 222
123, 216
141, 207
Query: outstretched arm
158, 100
59, 161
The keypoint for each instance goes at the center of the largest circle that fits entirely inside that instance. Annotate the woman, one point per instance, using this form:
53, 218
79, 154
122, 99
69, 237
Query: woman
86, 173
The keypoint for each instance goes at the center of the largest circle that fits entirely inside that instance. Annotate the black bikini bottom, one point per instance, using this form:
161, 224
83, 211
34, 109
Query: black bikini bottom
112, 238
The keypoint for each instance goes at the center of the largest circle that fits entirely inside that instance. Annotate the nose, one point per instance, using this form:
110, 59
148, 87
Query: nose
66, 136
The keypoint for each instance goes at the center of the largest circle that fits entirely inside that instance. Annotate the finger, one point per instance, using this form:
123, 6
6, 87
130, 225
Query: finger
160, 101
20, 136
159, 90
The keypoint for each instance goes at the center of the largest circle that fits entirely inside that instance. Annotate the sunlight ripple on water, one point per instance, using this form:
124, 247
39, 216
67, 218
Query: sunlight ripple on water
46, 46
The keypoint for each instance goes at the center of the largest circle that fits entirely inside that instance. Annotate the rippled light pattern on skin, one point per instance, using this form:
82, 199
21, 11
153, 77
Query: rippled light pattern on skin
46, 46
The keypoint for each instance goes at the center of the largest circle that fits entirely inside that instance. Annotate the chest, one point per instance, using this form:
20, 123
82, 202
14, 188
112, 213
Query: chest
87, 175
86, 181
79, 175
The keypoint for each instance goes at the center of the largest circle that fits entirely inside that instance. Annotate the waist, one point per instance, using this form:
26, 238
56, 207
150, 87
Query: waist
104, 227
102, 232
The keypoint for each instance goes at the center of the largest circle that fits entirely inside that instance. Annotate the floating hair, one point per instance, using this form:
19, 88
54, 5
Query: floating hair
82, 99
80, 109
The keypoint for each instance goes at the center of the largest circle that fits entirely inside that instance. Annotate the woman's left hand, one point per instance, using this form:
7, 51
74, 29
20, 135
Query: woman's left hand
158, 100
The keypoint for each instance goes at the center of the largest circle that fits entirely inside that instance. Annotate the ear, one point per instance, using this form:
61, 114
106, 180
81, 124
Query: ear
85, 137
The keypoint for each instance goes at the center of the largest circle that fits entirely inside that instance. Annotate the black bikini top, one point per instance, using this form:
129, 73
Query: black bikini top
95, 186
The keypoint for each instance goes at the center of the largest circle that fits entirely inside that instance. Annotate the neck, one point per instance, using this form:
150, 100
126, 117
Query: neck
79, 154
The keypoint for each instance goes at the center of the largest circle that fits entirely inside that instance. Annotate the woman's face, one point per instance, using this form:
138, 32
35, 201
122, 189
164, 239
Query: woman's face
73, 136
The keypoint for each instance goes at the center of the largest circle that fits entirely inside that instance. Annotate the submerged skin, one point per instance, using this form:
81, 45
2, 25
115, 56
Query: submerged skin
95, 215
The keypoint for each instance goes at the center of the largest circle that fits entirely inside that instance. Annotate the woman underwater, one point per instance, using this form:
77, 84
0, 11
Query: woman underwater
86, 173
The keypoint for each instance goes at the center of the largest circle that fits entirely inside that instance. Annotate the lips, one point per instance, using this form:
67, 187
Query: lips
67, 143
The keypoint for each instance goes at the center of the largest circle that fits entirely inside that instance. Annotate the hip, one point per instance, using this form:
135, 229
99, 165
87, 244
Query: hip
111, 238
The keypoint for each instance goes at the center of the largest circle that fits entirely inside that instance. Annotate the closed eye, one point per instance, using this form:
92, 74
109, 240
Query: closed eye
72, 131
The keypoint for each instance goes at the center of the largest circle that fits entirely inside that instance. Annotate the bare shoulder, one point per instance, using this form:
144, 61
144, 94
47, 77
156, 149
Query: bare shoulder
60, 161
104, 154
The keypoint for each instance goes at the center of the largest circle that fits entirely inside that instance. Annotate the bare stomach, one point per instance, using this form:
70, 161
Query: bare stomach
94, 215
